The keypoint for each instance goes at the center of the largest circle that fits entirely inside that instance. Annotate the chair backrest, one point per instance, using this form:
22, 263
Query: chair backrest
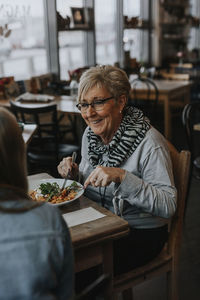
147, 101
45, 117
28, 114
191, 124
181, 168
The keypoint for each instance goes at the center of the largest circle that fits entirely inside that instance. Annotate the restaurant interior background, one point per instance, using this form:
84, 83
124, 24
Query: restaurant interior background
47, 42
42, 36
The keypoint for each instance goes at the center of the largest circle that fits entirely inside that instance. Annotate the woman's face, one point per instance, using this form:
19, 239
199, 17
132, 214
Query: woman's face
105, 122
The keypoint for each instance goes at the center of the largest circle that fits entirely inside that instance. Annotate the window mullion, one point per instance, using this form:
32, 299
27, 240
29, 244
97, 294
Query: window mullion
51, 37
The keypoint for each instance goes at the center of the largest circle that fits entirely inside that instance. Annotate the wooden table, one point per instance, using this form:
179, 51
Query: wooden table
93, 241
171, 93
65, 104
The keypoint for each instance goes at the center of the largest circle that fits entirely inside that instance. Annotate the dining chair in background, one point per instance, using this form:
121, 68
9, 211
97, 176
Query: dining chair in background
47, 148
168, 260
147, 101
191, 124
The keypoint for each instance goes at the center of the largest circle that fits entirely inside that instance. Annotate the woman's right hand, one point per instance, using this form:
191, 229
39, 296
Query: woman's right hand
66, 167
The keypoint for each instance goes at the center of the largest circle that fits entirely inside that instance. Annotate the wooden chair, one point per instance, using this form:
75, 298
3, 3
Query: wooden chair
45, 150
167, 261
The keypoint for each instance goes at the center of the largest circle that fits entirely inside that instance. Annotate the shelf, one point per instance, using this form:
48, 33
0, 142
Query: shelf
145, 27
173, 24
174, 37
174, 4
76, 29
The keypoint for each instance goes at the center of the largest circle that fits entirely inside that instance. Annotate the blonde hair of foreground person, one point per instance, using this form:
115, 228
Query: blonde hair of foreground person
112, 78
13, 169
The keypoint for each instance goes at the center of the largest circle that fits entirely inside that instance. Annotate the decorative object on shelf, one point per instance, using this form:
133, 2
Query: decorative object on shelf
82, 17
63, 23
130, 22
135, 22
78, 17
4, 31
8, 87
77, 73
74, 86
179, 54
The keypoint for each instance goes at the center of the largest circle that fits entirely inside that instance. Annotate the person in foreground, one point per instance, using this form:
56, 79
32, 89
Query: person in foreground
36, 256
125, 165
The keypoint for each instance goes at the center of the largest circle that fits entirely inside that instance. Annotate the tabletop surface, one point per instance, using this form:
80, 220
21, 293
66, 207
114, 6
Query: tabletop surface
95, 232
166, 85
64, 104
108, 227
68, 103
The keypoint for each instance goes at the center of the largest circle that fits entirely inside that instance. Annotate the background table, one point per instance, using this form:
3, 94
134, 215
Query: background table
65, 105
171, 93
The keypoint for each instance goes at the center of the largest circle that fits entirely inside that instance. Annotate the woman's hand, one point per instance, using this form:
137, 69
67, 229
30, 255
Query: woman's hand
103, 176
66, 166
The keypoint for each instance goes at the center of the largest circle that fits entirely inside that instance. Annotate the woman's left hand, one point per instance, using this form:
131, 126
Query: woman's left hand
103, 176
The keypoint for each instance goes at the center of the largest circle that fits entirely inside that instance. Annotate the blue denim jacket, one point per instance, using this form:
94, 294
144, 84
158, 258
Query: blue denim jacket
36, 258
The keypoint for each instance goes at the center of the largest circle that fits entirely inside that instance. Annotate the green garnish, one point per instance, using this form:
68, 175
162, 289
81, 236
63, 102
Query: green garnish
51, 189
74, 186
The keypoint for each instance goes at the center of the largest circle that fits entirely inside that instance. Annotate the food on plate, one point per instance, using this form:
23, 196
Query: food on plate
52, 193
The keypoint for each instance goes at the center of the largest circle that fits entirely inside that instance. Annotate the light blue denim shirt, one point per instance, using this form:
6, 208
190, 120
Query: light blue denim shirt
36, 258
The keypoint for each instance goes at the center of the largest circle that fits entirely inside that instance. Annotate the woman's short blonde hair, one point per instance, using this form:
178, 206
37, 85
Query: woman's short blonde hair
13, 169
112, 78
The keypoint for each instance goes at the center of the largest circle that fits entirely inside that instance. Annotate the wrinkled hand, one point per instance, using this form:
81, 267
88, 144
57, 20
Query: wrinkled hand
103, 176
66, 166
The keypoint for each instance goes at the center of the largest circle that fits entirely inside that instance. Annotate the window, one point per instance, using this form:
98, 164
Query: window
194, 42
136, 41
70, 43
106, 52
22, 39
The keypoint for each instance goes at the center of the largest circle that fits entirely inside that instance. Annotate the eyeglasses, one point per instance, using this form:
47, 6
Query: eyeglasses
96, 104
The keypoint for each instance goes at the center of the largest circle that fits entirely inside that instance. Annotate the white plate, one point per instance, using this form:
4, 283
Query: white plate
35, 184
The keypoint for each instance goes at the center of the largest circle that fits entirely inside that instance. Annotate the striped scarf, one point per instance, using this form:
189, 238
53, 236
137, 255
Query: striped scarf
130, 133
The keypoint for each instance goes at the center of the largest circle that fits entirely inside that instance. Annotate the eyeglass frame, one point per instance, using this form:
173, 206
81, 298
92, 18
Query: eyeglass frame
93, 103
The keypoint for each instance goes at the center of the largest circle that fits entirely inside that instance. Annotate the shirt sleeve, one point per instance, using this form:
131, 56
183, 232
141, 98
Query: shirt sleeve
154, 192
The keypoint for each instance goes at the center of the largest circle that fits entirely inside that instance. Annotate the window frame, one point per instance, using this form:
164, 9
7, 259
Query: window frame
52, 45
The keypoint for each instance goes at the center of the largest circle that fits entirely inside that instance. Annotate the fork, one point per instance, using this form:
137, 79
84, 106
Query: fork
67, 176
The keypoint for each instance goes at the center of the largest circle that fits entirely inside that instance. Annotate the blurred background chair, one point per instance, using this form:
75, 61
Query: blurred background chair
167, 261
144, 95
191, 124
96, 289
46, 149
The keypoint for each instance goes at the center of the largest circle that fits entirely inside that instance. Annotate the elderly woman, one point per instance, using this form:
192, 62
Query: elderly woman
125, 165
36, 256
